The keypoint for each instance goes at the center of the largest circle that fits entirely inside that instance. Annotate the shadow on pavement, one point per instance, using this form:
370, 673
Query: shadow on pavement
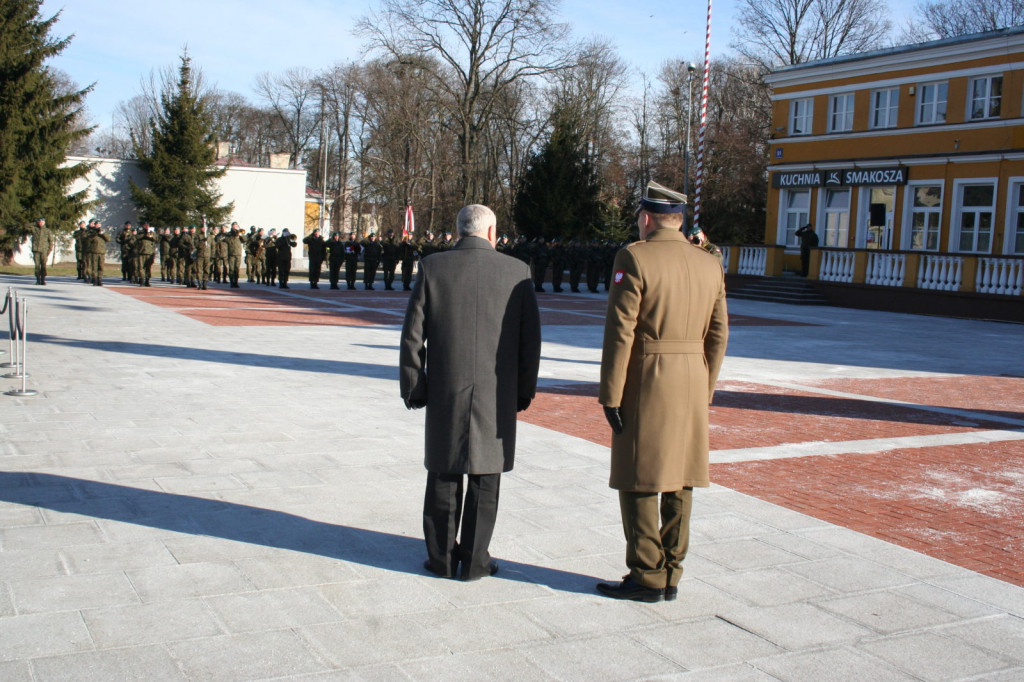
345, 367
242, 523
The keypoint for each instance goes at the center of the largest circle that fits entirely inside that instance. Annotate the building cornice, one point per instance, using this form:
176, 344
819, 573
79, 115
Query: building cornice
923, 56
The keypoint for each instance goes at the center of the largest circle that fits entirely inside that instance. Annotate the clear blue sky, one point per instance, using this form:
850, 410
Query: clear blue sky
119, 42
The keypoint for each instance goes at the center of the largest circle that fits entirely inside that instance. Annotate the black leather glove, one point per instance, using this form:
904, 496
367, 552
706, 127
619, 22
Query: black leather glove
614, 417
415, 404
522, 403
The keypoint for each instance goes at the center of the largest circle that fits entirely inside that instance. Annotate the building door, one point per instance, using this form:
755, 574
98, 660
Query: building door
876, 217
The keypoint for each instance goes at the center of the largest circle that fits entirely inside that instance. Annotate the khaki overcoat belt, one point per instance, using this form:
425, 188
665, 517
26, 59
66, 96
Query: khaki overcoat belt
662, 347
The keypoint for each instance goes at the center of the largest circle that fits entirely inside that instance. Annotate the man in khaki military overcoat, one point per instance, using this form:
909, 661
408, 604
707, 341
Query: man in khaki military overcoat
664, 341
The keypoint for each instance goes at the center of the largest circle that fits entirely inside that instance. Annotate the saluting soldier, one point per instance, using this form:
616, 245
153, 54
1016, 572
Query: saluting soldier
42, 242
203, 246
96, 250
236, 247
389, 258
147, 245
78, 237
427, 245
372, 252
316, 250
408, 253
285, 243
335, 249
270, 257
352, 250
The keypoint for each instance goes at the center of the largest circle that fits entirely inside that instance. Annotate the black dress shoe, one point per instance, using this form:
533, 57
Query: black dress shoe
671, 593
632, 591
492, 568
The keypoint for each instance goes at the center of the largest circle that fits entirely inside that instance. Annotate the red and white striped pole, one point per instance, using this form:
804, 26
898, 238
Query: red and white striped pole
703, 124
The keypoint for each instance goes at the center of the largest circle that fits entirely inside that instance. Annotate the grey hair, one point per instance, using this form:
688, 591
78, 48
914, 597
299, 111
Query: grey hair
474, 220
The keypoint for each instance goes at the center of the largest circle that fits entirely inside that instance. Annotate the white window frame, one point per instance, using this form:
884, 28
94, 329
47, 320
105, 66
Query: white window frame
1014, 185
958, 209
807, 117
784, 214
824, 212
890, 110
840, 113
986, 99
907, 226
919, 109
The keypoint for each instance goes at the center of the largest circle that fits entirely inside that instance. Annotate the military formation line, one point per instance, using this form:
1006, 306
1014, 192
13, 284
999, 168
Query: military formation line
195, 256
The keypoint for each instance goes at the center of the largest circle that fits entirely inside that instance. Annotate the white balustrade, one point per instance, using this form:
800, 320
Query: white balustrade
837, 266
886, 269
943, 273
753, 260
1000, 276
726, 251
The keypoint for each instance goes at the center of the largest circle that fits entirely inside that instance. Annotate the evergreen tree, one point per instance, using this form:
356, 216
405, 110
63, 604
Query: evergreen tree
38, 123
558, 195
180, 167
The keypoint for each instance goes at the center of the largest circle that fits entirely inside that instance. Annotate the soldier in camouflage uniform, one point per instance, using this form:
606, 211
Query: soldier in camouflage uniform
203, 246
96, 252
146, 245
186, 265
78, 237
270, 257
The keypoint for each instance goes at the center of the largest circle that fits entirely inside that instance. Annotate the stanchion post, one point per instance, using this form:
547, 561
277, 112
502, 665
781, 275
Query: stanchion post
9, 309
23, 334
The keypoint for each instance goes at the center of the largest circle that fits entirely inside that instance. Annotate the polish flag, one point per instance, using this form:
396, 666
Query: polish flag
410, 222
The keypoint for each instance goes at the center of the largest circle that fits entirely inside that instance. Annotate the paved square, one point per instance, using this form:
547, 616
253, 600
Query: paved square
224, 484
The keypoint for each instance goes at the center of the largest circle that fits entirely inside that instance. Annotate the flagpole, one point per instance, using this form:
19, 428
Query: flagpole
703, 124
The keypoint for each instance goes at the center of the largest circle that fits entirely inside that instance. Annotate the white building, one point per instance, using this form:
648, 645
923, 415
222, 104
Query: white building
264, 197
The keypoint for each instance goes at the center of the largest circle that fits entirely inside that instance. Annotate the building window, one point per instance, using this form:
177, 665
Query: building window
976, 214
986, 97
931, 103
884, 107
801, 113
1015, 238
797, 213
837, 217
840, 115
925, 216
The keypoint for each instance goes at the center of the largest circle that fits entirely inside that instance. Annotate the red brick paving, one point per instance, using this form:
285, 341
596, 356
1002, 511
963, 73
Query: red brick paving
1002, 395
958, 503
962, 504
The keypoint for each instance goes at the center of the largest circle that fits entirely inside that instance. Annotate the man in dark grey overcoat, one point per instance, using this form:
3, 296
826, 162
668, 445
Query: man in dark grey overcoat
470, 352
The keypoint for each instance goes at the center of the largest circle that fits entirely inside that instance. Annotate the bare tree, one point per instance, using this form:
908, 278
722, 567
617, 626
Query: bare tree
776, 33
295, 97
949, 18
589, 92
479, 49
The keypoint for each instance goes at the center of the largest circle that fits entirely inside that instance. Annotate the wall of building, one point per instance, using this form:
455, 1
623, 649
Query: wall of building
264, 197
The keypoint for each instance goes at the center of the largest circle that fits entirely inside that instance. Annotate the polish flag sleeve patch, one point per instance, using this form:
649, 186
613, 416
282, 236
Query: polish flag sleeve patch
619, 275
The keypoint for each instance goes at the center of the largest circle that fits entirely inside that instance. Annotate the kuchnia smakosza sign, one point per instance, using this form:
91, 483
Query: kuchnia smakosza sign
842, 177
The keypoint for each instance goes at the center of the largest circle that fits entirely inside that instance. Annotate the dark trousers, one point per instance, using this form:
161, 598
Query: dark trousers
314, 270
657, 535
351, 265
389, 273
407, 267
369, 272
284, 269
334, 269
805, 262
557, 272
444, 511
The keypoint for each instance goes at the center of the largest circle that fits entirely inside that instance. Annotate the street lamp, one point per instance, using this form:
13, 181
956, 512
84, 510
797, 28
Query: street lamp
691, 68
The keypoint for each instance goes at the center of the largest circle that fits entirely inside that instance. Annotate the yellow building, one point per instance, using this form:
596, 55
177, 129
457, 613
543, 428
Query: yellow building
908, 162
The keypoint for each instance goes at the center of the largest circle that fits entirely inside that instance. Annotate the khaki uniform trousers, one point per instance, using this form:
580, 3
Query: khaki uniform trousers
657, 535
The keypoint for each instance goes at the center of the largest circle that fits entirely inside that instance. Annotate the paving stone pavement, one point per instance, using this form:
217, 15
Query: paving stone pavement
199, 500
